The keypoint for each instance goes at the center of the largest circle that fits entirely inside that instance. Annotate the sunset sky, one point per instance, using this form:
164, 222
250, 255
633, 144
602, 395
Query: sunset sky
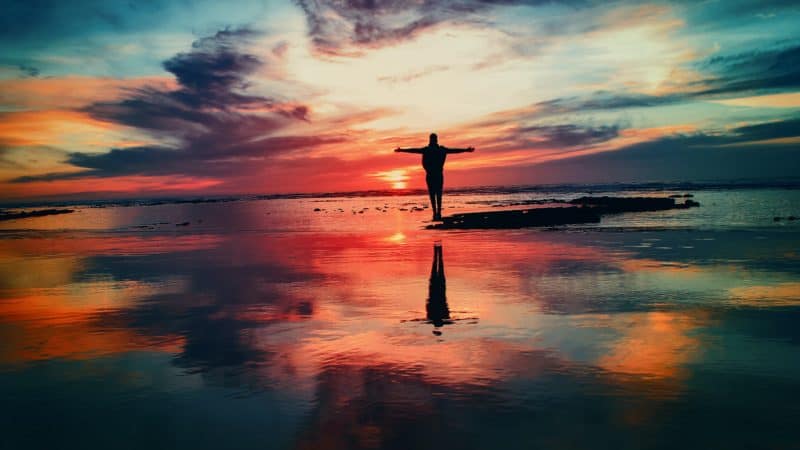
103, 98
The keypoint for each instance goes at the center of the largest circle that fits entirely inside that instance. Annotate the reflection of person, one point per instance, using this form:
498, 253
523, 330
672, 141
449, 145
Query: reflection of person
433, 157
436, 306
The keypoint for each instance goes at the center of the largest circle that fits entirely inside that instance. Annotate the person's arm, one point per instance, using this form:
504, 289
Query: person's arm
460, 150
409, 150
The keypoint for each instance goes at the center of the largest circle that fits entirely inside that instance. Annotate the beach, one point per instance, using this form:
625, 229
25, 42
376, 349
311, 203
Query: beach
330, 322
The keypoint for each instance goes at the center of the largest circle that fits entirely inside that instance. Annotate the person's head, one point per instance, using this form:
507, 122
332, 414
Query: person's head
434, 140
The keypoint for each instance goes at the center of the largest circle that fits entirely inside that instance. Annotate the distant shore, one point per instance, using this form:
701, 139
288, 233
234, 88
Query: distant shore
39, 213
544, 189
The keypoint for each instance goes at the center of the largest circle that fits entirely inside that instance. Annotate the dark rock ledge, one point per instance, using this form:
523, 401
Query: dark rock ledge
585, 210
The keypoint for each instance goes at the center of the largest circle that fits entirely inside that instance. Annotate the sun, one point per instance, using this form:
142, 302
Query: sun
397, 178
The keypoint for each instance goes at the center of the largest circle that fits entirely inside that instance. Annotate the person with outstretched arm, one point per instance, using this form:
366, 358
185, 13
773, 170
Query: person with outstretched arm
433, 157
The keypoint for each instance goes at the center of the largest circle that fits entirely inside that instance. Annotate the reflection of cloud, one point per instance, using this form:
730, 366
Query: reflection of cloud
60, 322
75, 340
45, 312
288, 307
98, 246
784, 294
324, 319
68, 257
20, 272
660, 267
458, 362
653, 345
79, 301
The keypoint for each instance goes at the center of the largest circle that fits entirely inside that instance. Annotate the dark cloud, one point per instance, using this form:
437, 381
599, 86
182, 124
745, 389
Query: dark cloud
757, 71
411, 76
215, 65
233, 160
731, 75
769, 130
571, 135
346, 27
601, 101
218, 127
28, 71
700, 156
6, 161
335, 26
213, 75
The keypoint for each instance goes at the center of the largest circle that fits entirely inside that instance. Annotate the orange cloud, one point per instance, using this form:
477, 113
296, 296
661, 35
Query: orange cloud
69, 92
786, 100
45, 127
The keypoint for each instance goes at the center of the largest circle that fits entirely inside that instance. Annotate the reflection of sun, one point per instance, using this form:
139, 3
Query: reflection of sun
398, 178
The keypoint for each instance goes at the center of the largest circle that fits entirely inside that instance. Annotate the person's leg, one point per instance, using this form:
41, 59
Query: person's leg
439, 203
432, 193
439, 188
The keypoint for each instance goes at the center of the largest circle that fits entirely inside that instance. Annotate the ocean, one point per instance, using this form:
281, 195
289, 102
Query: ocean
339, 321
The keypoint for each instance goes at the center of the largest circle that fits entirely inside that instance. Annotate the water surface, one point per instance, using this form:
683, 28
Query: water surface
266, 324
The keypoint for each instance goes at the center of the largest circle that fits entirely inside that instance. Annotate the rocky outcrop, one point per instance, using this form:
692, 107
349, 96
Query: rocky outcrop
586, 210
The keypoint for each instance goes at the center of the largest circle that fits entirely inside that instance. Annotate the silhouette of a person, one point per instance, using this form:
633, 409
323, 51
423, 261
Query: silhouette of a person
436, 306
433, 157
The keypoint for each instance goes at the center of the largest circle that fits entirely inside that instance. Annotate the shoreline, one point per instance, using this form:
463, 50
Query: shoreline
29, 214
